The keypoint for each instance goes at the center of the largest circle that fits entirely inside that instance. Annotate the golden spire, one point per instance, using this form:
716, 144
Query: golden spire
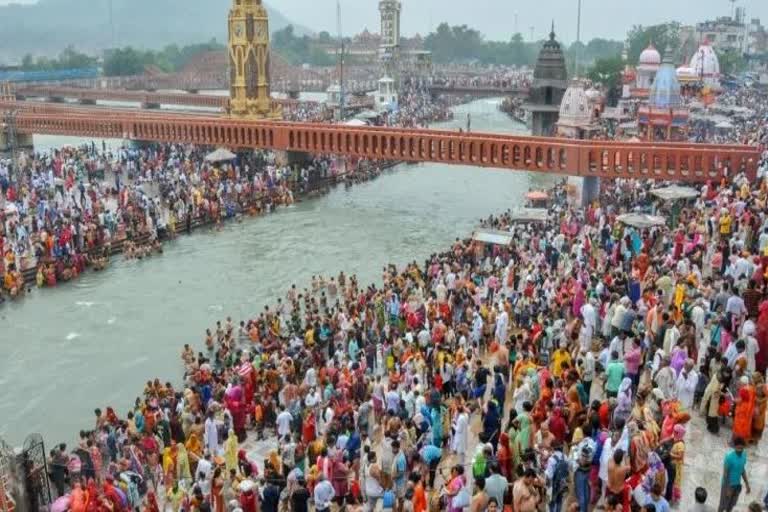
249, 93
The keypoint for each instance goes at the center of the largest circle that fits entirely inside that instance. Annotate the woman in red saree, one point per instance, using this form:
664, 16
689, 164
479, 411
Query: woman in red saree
745, 406
504, 455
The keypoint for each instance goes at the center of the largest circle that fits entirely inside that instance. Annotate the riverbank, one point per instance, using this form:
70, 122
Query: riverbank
104, 332
253, 207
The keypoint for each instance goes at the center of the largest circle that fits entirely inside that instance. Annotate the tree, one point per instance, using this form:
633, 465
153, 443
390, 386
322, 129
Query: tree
72, 59
607, 72
731, 62
28, 62
666, 35
324, 37
126, 61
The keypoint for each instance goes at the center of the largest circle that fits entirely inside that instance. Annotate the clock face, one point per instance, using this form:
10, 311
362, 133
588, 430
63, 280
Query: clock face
239, 28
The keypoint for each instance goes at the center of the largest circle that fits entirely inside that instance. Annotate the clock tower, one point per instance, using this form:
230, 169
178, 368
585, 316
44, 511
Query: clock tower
249, 62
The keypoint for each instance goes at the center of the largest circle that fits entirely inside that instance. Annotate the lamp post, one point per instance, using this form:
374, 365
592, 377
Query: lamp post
578, 40
10, 126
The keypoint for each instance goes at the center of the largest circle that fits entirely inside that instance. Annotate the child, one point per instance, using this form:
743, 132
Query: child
258, 419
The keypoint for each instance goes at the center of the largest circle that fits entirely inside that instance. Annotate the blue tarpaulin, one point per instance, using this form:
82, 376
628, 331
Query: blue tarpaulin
49, 75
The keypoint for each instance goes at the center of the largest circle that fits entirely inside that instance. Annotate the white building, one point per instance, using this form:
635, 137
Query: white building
386, 96
650, 60
706, 66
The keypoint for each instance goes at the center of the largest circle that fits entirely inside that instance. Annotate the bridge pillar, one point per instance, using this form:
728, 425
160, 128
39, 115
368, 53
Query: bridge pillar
150, 105
86, 101
583, 190
294, 94
56, 99
193, 91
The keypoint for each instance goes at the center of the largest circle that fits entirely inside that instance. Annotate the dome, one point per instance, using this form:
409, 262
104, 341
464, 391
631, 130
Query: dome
665, 91
575, 109
650, 56
705, 62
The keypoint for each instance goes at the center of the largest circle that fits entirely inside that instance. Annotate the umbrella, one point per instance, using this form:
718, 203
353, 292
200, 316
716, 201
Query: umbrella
220, 155
537, 195
640, 220
675, 192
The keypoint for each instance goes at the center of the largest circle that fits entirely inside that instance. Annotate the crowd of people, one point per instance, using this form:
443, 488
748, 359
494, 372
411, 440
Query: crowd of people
517, 78
417, 108
563, 370
742, 113
69, 209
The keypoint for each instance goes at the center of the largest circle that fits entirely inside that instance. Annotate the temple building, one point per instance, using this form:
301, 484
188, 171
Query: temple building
550, 81
665, 116
648, 66
579, 112
706, 66
579, 119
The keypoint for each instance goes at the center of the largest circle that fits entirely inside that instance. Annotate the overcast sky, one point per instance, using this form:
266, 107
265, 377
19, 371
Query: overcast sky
496, 18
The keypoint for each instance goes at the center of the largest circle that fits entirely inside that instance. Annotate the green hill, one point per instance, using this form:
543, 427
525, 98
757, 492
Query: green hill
47, 27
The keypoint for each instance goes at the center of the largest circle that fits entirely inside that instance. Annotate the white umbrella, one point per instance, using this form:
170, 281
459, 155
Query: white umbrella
640, 220
220, 155
675, 192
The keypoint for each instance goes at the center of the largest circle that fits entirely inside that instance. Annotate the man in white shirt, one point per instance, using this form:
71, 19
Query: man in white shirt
686, 384
283, 421
211, 435
665, 378
698, 317
323, 494
618, 314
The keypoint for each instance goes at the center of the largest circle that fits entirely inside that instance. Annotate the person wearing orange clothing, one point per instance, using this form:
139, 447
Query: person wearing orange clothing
419, 499
744, 412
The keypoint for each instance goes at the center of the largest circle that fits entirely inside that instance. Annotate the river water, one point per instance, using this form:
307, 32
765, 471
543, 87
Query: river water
96, 341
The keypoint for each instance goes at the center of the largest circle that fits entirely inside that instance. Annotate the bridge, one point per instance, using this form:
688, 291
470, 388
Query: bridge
685, 162
147, 99
479, 90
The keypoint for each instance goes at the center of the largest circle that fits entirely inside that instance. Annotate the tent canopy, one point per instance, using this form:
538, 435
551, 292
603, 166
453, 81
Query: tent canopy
641, 220
220, 155
523, 215
490, 236
674, 192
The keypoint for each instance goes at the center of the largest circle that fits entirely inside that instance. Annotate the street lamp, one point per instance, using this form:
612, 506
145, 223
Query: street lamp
10, 126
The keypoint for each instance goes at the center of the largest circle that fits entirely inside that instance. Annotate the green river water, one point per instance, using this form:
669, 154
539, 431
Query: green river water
96, 341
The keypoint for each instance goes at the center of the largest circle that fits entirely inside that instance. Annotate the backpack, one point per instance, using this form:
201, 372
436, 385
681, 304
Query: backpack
560, 478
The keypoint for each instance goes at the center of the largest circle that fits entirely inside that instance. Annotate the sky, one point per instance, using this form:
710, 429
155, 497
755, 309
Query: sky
496, 18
